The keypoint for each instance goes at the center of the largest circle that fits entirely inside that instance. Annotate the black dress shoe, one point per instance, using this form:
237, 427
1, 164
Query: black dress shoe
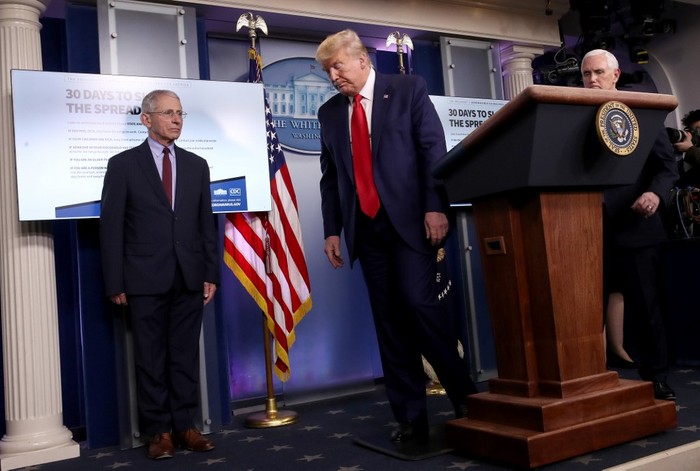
615, 361
663, 391
409, 432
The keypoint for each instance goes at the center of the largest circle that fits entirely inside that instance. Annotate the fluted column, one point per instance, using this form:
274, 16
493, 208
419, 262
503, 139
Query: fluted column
32, 381
516, 62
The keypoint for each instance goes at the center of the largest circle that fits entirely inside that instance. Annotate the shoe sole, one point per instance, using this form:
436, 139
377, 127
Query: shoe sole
185, 447
199, 451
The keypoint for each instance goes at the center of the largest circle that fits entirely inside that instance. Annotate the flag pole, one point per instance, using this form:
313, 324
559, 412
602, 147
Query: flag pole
271, 417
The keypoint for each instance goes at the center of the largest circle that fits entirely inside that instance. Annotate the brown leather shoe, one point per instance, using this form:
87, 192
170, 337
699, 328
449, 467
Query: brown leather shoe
161, 446
193, 440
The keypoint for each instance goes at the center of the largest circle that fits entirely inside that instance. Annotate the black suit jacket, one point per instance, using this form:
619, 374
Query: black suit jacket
142, 238
407, 138
659, 174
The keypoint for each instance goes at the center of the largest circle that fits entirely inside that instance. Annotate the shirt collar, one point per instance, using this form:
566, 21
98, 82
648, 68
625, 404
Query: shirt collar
367, 91
157, 147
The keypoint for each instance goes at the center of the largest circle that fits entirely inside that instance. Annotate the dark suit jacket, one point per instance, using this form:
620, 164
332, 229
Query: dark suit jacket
690, 175
659, 174
142, 238
407, 138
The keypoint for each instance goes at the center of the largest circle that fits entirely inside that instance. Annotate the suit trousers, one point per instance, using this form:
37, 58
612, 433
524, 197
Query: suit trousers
166, 330
642, 288
409, 319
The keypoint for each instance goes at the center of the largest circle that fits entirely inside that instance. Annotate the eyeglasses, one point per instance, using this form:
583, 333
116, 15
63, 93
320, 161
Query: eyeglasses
170, 113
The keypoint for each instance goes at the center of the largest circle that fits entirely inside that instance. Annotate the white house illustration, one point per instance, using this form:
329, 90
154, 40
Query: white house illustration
300, 98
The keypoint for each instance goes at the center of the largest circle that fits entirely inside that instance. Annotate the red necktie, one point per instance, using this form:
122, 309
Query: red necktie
362, 160
167, 175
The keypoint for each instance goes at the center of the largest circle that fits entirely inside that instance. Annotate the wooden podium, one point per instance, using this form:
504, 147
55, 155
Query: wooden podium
535, 172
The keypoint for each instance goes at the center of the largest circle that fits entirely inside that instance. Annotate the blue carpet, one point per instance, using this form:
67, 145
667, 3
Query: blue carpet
325, 438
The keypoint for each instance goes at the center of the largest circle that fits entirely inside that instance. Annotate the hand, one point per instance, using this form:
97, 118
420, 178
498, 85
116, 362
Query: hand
332, 250
119, 299
647, 204
436, 226
209, 290
685, 144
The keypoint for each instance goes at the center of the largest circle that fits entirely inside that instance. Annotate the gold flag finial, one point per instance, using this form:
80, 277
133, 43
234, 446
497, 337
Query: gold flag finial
400, 41
252, 23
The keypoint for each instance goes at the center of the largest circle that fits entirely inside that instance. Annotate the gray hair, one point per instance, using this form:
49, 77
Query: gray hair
148, 103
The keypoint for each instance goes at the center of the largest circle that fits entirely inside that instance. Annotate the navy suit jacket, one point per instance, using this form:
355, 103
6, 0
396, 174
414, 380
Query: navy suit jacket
142, 238
407, 138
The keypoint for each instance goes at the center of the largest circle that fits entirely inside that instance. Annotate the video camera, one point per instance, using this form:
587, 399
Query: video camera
679, 135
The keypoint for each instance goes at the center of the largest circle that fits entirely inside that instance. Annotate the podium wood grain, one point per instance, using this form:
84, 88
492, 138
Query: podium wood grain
553, 398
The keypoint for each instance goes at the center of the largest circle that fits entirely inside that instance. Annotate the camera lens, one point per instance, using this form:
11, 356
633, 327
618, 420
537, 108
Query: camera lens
675, 135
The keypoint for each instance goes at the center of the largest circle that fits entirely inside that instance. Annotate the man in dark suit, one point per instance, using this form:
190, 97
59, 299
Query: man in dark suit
393, 214
160, 255
633, 231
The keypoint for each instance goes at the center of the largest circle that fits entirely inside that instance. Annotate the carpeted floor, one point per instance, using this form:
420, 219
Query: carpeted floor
325, 437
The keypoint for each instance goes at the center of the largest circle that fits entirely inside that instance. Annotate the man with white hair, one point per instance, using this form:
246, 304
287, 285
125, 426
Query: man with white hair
633, 229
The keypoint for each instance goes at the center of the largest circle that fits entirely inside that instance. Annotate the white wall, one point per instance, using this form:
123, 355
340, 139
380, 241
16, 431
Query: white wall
675, 60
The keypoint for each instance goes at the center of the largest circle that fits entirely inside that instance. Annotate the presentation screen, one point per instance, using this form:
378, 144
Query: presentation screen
461, 116
68, 125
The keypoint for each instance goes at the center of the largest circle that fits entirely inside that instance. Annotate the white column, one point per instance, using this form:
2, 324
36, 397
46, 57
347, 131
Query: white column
516, 62
32, 381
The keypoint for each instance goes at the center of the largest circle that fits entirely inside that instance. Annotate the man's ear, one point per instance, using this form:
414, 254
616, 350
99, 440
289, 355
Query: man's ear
146, 120
364, 60
617, 74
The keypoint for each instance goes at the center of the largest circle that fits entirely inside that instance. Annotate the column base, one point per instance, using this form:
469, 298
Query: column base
31, 458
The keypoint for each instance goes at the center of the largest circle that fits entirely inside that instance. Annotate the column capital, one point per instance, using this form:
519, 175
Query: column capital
516, 61
27, 11
511, 51
39, 5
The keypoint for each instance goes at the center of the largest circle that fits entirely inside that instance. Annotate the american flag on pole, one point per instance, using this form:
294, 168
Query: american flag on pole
265, 250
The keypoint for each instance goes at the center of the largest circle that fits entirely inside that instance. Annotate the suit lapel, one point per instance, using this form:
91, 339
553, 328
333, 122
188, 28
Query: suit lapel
382, 95
149, 169
184, 167
343, 126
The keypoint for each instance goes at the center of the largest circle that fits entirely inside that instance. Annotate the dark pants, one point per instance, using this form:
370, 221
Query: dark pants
642, 289
409, 318
166, 332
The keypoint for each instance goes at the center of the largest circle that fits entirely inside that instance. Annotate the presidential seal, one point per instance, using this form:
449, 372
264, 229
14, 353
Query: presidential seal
617, 128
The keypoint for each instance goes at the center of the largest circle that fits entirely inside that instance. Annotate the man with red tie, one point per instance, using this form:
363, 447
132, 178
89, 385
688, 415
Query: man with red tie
160, 257
379, 138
